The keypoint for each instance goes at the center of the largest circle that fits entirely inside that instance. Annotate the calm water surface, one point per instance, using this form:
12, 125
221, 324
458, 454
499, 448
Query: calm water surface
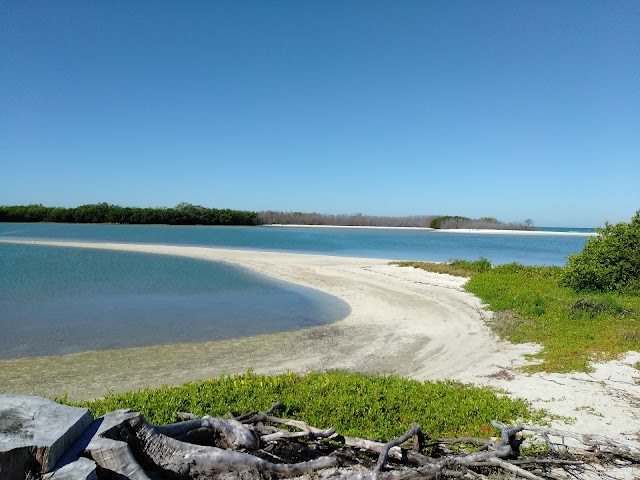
373, 243
56, 300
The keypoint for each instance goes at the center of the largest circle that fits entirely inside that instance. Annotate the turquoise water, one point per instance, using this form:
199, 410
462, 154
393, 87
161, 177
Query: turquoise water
58, 300
375, 243
566, 229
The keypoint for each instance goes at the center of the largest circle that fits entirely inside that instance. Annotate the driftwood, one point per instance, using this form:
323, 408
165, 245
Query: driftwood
255, 446
126, 445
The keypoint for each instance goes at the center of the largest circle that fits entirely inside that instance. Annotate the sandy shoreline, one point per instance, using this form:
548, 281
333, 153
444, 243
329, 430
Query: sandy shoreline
443, 230
404, 321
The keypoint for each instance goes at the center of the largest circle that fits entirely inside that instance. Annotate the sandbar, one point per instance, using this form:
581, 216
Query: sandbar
483, 231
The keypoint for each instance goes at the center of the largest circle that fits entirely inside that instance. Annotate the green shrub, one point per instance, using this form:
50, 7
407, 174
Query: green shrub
608, 262
531, 306
476, 266
458, 268
573, 328
437, 222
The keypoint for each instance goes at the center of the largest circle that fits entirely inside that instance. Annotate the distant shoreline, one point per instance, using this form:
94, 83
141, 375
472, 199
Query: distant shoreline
444, 230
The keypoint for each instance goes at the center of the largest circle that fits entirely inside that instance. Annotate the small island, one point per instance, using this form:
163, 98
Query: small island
188, 214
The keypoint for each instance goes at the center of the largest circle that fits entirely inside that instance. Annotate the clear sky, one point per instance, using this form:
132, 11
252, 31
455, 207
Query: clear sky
512, 109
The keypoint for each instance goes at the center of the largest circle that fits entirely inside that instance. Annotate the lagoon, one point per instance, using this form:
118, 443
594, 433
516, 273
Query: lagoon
58, 300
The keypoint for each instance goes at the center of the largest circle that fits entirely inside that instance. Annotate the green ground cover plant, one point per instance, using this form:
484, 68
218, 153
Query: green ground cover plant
573, 328
458, 268
588, 310
438, 221
369, 406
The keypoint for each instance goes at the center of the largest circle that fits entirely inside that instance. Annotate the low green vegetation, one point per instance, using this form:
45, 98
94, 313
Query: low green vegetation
188, 214
181, 214
458, 268
456, 222
588, 310
609, 261
449, 220
573, 328
376, 407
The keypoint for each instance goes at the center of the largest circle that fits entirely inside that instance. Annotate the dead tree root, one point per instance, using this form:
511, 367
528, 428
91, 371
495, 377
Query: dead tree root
256, 446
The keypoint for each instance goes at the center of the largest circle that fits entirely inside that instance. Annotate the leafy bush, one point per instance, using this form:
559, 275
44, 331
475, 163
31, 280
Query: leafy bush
531, 306
609, 261
574, 329
437, 222
476, 266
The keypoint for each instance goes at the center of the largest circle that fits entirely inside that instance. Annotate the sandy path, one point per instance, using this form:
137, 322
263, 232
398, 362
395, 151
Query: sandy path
405, 321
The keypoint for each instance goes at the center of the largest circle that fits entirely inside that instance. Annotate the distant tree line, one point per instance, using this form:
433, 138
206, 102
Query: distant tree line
348, 220
187, 214
271, 217
484, 223
181, 214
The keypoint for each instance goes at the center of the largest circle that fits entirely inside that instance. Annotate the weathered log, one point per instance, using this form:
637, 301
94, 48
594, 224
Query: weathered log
219, 432
184, 416
81, 469
285, 434
454, 441
112, 453
585, 439
361, 443
124, 433
384, 454
124, 446
249, 417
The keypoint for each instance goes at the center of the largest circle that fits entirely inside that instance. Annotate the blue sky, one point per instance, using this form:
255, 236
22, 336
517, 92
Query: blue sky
478, 108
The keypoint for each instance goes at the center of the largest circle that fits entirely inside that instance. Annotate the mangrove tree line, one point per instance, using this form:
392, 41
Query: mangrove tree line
181, 214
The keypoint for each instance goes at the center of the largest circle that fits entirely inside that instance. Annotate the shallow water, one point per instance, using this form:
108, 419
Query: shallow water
374, 243
58, 300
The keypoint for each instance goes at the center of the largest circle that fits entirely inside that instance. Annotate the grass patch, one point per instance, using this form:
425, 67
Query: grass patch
573, 328
377, 407
457, 268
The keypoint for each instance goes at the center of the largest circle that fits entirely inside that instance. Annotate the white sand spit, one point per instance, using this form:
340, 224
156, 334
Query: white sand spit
486, 231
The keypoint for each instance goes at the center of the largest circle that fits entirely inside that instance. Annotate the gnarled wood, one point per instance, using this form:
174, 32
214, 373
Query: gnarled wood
585, 439
122, 433
219, 432
123, 445
384, 454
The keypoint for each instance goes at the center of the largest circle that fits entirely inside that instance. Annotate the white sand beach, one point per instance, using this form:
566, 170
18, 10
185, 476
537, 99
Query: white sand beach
484, 231
402, 320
